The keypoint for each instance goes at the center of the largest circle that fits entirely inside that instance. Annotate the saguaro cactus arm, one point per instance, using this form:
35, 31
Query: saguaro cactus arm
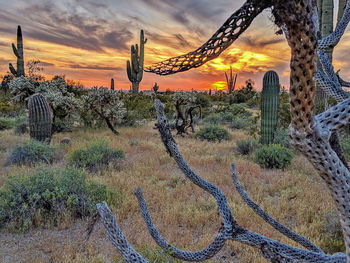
332, 39
18, 51
222, 39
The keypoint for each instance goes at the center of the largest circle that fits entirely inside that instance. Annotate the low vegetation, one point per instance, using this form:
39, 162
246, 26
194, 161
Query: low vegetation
96, 156
47, 196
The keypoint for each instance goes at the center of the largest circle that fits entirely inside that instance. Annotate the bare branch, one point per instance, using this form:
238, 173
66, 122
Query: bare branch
222, 39
201, 255
269, 219
116, 235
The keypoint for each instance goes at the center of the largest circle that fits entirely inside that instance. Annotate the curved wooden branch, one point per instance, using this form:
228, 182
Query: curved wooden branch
116, 235
201, 255
269, 219
222, 39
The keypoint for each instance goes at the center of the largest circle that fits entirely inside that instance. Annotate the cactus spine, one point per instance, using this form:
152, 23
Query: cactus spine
112, 83
135, 68
155, 87
231, 81
19, 54
40, 119
269, 106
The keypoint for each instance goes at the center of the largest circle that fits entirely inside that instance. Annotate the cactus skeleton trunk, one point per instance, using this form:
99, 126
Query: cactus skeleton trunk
135, 67
40, 118
18, 51
269, 106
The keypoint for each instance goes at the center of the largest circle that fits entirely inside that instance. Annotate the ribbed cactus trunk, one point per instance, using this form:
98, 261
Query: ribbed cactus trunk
40, 119
135, 67
270, 100
19, 54
112, 84
231, 81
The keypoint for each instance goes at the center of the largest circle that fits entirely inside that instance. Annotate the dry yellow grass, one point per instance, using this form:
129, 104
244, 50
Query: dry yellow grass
185, 215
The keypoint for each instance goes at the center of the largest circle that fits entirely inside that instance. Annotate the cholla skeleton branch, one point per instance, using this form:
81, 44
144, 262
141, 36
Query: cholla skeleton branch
309, 134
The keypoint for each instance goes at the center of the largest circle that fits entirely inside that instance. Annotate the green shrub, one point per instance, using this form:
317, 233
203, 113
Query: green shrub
6, 123
273, 156
247, 146
32, 152
95, 156
281, 137
213, 133
237, 124
46, 197
345, 146
214, 118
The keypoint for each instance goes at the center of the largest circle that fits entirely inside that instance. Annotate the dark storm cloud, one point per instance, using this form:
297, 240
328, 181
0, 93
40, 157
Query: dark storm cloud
94, 67
176, 41
51, 24
252, 42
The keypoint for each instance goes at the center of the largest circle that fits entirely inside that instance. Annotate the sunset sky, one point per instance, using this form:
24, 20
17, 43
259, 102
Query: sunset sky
89, 41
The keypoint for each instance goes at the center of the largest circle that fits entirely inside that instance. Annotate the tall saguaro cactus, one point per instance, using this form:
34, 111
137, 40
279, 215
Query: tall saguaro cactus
269, 106
135, 67
155, 87
112, 83
19, 54
231, 81
40, 118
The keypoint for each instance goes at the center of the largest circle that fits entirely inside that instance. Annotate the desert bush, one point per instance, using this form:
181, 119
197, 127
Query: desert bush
96, 156
247, 146
46, 197
238, 123
345, 146
202, 100
32, 152
273, 156
6, 123
281, 137
213, 133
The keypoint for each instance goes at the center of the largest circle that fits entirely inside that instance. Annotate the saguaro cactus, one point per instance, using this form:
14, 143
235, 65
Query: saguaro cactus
155, 87
231, 81
135, 68
269, 106
40, 119
112, 84
19, 54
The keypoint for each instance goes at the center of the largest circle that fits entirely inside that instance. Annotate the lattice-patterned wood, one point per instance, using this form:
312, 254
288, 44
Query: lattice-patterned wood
222, 39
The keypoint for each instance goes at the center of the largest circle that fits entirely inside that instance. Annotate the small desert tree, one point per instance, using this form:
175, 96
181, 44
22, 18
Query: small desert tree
106, 104
185, 107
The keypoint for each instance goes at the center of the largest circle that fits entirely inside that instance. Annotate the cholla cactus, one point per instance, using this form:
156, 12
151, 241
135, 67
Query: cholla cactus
19, 54
135, 68
106, 104
40, 119
22, 88
62, 102
155, 87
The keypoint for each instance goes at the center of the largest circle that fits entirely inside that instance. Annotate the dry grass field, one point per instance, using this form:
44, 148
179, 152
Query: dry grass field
184, 214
